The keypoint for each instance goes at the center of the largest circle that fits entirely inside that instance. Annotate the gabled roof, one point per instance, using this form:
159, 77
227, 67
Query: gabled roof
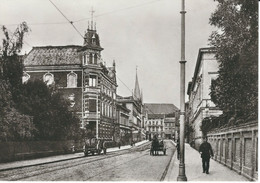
154, 108
53, 55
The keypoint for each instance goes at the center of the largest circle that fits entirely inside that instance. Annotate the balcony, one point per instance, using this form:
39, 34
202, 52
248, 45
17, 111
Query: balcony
205, 103
92, 89
92, 115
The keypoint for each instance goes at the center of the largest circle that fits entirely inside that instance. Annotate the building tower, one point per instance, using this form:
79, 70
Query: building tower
99, 88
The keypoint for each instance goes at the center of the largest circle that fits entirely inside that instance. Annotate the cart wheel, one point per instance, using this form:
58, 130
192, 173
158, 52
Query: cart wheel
99, 151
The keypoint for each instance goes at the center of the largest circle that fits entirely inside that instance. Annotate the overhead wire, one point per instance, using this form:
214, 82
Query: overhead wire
134, 94
83, 19
115, 11
71, 22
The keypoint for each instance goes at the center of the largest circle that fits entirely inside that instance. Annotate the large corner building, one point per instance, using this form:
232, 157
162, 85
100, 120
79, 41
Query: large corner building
79, 73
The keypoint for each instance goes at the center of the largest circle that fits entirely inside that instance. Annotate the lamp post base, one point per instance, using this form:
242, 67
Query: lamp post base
181, 176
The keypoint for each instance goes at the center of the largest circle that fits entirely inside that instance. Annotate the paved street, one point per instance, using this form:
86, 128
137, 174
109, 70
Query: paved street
133, 164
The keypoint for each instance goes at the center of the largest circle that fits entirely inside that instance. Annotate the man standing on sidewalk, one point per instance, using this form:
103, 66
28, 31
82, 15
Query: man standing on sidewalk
205, 151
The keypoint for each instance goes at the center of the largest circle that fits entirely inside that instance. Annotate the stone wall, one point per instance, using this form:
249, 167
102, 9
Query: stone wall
237, 148
13, 151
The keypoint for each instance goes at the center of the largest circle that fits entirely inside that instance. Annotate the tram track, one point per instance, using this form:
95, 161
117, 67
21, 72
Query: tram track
134, 159
43, 169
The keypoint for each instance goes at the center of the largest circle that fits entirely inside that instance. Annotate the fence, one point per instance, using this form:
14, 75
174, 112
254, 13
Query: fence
237, 148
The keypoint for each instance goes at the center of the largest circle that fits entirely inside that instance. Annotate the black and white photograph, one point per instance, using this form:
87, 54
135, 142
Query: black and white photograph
129, 90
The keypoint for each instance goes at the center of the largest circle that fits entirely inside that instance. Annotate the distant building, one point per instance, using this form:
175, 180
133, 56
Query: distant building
200, 104
134, 103
169, 125
160, 120
125, 130
81, 75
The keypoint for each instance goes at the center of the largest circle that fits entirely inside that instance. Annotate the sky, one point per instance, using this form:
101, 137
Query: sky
142, 35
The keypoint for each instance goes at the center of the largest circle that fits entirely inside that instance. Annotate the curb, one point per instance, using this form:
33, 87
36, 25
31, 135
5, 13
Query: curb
24, 166
56, 161
172, 169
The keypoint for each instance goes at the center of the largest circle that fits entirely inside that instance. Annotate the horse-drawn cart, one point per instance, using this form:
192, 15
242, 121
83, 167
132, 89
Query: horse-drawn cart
93, 146
157, 146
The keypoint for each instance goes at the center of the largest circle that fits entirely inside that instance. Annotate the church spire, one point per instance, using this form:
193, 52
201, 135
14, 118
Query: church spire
137, 93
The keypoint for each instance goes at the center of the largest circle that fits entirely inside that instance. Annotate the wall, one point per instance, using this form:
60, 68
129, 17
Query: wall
210, 69
13, 151
237, 148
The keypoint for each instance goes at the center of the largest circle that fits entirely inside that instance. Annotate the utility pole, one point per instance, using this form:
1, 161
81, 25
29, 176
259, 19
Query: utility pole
182, 176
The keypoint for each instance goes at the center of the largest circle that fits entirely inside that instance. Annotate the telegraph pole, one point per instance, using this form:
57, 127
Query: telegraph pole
182, 176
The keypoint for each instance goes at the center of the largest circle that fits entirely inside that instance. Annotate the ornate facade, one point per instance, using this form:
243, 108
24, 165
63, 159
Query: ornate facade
80, 74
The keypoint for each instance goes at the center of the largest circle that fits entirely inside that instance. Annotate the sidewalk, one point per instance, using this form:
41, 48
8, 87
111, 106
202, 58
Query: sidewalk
57, 158
193, 169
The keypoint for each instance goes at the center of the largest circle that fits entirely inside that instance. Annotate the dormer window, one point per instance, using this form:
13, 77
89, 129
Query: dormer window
93, 39
72, 80
48, 78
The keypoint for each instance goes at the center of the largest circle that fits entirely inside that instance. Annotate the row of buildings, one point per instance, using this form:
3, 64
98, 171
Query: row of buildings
80, 73
200, 104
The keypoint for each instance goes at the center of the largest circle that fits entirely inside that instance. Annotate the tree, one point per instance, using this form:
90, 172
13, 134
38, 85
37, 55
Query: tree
50, 112
13, 124
235, 91
11, 48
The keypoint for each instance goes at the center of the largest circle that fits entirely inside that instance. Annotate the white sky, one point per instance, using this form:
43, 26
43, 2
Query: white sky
143, 33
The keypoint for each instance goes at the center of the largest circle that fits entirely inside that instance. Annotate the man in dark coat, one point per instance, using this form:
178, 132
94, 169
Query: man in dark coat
205, 151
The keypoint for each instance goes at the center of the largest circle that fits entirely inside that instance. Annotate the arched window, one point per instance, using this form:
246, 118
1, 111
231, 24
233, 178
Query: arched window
84, 59
48, 78
25, 77
90, 58
72, 80
95, 59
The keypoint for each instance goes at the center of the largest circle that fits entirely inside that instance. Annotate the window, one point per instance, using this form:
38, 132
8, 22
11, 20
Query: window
26, 77
92, 80
72, 80
95, 59
48, 78
90, 58
84, 59
92, 105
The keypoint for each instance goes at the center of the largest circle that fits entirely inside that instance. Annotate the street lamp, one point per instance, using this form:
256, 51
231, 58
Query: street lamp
182, 176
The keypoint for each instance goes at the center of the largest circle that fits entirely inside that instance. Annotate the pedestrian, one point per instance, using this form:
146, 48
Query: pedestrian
105, 147
205, 151
119, 144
